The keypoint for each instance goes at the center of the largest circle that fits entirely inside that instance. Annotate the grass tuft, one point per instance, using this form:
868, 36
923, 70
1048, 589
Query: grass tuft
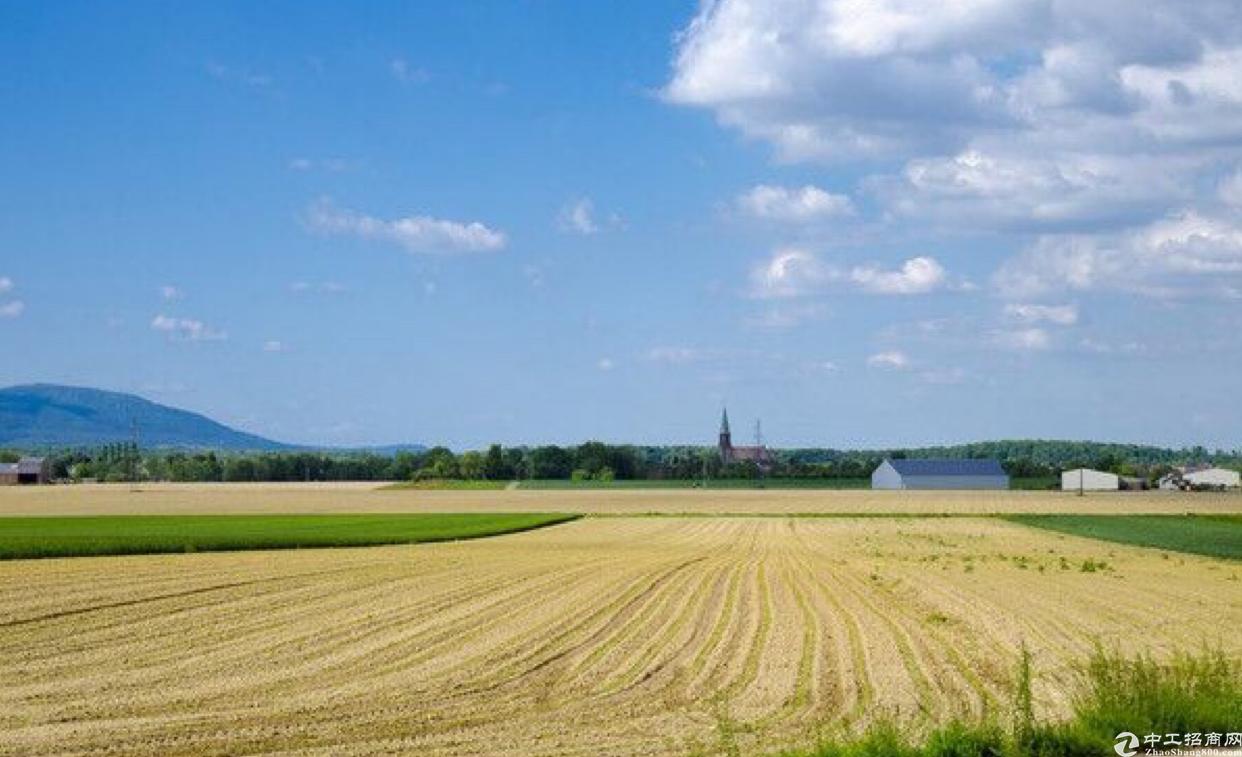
1200, 693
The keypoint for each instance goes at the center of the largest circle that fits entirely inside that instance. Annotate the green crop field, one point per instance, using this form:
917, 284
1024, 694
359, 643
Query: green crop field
1212, 535
24, 538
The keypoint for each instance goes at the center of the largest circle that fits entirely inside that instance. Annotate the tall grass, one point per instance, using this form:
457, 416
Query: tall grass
1199, 693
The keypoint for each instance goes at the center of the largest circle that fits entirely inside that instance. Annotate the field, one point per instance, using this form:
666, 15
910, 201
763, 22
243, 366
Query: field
154, 534
605, 635
198, 499
1212, 535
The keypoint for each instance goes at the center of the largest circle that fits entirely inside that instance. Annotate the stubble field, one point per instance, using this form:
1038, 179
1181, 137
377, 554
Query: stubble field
202, 499
602, 636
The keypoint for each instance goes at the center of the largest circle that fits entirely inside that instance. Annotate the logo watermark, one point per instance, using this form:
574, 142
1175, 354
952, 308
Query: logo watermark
1193, 743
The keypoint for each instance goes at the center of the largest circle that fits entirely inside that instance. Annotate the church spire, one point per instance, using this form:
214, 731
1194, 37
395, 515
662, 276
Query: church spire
724, 421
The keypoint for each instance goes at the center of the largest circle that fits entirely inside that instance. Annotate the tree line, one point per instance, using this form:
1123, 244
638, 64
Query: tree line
599, 461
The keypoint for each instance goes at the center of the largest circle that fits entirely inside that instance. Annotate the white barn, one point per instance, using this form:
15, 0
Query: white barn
939, 474
1088, 480
1213, 477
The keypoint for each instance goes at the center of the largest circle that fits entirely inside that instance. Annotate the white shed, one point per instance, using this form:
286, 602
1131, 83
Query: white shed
1089, 480
1213, 477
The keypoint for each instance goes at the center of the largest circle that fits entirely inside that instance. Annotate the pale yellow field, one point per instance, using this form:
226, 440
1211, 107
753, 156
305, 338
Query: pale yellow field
361, 498
603, 636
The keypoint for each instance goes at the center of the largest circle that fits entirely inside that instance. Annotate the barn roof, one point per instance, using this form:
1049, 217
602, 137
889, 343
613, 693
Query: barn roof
9, 468
948, 467
30, 465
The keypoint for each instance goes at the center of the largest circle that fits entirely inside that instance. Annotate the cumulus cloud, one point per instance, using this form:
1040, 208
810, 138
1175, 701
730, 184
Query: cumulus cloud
186, 329
780, 316
418, 234
323, 287
890, 360
796, 205
1022, 340
13, 308
1060, 315
406, 73
1185, 252
578, 217
916, 276
1028, 115
796, 272
791, 272
170, 292
605, 364
274, 345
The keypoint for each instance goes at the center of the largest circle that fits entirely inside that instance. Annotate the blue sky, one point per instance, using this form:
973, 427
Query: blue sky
872, 224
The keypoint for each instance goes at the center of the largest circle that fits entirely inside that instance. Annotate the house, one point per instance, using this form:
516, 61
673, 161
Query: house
939, 474
28, 470
1087, 480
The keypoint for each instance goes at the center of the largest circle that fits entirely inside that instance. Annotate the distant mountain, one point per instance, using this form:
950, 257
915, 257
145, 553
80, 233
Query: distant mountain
48, 416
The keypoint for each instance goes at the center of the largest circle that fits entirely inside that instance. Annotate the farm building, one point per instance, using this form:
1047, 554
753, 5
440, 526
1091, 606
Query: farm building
939, 474
28, 470
1085, 479
1214, 477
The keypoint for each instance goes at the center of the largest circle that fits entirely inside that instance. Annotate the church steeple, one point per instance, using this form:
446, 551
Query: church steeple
726, 438
724, 421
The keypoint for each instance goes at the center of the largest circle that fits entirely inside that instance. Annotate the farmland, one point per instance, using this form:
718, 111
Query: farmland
198, 499
606, 635
155, 534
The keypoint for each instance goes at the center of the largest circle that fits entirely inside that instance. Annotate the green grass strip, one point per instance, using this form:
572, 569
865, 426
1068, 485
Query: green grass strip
1211, 535
27, 538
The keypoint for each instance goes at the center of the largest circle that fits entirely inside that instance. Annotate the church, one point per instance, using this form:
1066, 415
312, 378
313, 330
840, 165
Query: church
730, 454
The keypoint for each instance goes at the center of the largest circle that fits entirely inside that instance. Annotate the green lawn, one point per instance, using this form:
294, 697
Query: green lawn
1212, 535
24, 538
681, 483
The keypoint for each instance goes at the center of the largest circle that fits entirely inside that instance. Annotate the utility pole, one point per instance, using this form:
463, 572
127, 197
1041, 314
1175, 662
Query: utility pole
135, 455
759, 453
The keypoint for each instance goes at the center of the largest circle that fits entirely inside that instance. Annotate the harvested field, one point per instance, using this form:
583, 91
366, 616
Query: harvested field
190, 499
600, 636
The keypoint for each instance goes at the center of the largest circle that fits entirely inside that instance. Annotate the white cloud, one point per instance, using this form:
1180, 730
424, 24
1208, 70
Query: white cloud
170, 292
323, 287
239, 76
795, 272
578, 217
891, 360
916, 276
12, 309
274, 345
679, 355
1185, 252
1092, 119
605, 364
1023, 340
186, 329
791, 272
332, 165
405, 73
1061, 315
796, 205
420, 234
6, 284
